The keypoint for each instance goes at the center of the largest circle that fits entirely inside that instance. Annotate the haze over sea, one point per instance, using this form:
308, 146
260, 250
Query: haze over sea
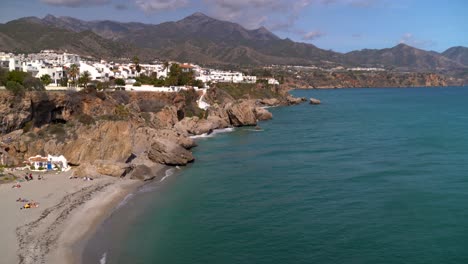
368, 176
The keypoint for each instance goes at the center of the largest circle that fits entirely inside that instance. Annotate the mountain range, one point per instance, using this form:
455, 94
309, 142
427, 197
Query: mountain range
205, 40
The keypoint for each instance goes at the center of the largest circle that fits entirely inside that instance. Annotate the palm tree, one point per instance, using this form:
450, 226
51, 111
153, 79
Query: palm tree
166, 66
84, 79
136, 61
73, 72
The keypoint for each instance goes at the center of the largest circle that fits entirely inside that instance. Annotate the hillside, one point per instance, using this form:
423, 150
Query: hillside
208, 41
402, 58
28, 35
458, 54
203, 39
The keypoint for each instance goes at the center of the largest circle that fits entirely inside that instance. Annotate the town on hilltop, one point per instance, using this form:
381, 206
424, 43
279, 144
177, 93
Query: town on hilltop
54, 69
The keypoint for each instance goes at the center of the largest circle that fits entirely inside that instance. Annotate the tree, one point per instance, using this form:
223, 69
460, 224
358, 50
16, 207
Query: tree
17, 76
120, 82
3, 76
102, 86
15, 88
136, 61
32, 84
84, 79
166, 65
63, 81
45, 79
198, 83
73, 72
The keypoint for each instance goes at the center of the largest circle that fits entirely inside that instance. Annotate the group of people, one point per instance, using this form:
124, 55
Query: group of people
30, 177
84, 178
28, 204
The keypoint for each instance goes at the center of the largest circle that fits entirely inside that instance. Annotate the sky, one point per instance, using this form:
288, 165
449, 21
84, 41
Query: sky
339, 25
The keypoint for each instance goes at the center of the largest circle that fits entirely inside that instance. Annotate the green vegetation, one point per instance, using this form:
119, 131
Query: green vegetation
64, 81
101, 86
137, 84
19, 82
177, 77
119, 82
46, 80
73, 72
147, 117
247, 90
121, 111
191, 107
84, 80
86, 119
15, 88
27, 127
136, 61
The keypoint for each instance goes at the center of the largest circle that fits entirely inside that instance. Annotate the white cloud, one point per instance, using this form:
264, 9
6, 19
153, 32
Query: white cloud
75, 3
274, 14
410, 39
159, 5
313, 35
354, 3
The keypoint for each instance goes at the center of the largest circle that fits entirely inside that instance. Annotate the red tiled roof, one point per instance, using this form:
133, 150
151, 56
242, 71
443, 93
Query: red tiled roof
38, 159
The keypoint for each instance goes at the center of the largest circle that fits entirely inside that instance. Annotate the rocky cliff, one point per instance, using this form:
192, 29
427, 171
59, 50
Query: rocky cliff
122, 134
352, 79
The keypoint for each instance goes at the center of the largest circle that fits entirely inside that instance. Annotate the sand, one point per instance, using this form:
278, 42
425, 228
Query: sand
69, 211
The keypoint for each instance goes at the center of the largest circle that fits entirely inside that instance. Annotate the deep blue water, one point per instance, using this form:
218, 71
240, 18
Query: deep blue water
368, 176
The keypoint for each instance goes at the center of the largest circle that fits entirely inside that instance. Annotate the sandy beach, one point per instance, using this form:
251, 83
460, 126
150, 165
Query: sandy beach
69, 211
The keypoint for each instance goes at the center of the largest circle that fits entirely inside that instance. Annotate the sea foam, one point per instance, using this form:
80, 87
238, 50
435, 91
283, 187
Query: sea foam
214, 133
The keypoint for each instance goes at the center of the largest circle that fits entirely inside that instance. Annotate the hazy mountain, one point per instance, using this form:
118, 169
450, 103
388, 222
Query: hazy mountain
30, 34
402, 57
202, 39
458, 54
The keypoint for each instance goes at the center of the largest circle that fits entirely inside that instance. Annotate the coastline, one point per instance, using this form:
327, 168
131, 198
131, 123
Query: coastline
69, 211
86, 220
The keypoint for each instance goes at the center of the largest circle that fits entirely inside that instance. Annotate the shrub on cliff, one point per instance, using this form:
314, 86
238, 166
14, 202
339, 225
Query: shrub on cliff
18, 82
86, 119
3, 76
121, 111
27, 127
15, 88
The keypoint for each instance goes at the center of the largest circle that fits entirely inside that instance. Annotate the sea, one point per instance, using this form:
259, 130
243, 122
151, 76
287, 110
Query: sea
369, 176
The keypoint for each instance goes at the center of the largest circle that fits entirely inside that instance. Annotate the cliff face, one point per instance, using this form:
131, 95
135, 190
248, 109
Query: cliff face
321, 79
120, 134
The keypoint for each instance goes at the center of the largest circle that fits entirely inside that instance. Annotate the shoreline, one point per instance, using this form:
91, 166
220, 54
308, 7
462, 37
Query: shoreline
69, 212
381, 87
93, 213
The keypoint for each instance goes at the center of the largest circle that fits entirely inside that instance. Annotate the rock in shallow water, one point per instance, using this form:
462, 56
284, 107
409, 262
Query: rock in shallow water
314, 101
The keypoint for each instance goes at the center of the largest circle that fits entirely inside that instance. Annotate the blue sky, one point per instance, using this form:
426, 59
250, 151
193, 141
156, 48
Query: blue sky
339, 25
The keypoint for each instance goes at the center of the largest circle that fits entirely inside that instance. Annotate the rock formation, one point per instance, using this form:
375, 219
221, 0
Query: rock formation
132, 135
314, 101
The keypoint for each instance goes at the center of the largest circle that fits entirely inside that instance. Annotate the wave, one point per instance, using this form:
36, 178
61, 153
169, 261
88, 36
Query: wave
214, 133
103, 259
124, 201
169, 173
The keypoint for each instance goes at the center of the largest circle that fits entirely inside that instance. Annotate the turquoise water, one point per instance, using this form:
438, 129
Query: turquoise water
369, 176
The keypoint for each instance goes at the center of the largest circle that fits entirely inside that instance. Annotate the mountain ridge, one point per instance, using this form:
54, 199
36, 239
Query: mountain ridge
202, 39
